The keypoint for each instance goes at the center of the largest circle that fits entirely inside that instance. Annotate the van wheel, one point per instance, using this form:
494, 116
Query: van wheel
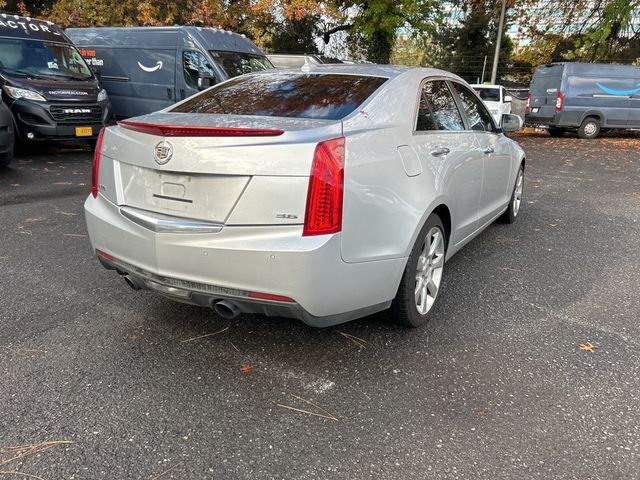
556, 132
590, 128
422, 276
5, 158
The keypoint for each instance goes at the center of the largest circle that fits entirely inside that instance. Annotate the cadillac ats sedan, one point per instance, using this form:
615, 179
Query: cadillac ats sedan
323, 195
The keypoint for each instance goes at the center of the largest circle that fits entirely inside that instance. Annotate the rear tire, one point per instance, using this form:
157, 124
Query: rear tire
516, 199
556, 132
422, 278
590, 128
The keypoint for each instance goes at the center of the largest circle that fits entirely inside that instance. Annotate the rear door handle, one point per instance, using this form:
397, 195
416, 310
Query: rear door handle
487, 150
440, 151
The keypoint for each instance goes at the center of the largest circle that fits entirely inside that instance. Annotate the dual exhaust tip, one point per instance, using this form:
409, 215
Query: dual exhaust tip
224, 308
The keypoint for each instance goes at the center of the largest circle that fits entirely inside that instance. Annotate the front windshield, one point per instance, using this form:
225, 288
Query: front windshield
236, 63
489, 94
39, 59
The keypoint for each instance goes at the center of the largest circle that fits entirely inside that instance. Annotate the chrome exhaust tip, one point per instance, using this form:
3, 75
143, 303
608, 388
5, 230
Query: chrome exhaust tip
131, 282
226, 309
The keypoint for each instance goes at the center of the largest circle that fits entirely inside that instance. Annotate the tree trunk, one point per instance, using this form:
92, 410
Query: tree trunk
379, 48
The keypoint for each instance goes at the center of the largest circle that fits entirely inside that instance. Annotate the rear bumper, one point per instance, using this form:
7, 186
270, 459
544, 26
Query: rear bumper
204, 268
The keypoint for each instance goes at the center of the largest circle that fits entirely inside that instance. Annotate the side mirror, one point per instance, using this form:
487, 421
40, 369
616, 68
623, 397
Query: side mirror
508, 98
205, 81
511, 123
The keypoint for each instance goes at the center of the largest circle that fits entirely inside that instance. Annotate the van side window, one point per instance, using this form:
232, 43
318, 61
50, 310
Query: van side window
477, 114
194, 63
445, 112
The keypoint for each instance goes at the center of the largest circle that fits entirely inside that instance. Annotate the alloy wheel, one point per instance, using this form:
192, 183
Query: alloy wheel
429, 270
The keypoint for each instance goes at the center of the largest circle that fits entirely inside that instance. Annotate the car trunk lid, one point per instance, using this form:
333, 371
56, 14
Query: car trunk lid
198, 166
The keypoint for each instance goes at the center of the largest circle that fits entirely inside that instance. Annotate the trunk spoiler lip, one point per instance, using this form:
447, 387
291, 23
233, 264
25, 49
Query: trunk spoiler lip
197, 131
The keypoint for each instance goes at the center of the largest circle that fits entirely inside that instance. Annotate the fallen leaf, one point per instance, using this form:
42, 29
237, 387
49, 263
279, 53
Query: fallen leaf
245, 368
63, 183
587, 347
35, 219
480, 410
80, 235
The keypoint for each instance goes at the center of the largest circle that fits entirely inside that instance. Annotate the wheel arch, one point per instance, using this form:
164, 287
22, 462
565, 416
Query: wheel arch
592, 113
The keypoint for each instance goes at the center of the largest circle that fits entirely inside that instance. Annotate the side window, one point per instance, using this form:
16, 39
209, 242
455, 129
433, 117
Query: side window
192, 64
479, 117
445, 112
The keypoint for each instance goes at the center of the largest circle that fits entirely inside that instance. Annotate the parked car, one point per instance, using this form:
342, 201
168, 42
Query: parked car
496, 98
324, 196
51, 91
584, 97
6, 135
286, 60
145, 69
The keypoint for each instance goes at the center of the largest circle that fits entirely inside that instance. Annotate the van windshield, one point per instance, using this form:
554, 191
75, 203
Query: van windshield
236, 63
32, 58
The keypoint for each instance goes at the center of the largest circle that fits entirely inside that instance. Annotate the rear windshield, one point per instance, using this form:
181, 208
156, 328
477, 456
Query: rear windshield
315, 96
546, 81
489, 94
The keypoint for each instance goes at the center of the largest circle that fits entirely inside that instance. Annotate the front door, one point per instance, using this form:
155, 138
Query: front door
496, 154
193, 63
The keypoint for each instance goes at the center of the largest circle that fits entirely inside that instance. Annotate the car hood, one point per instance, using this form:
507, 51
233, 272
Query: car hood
59, 91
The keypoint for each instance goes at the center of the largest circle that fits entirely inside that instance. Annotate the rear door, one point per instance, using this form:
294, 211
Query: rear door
545, 85
443, 145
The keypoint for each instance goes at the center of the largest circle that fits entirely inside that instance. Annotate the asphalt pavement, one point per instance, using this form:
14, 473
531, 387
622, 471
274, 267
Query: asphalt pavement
98, 381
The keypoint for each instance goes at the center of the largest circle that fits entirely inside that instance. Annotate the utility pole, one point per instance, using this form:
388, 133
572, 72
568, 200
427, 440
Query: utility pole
484, 67
496, 56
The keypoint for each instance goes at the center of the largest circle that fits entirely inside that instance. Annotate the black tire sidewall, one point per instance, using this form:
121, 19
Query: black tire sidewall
403, 307
581, 132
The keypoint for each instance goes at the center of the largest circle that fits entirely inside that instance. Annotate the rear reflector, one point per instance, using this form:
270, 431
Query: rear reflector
104, 254
323, 214
186, 131
95, 171
269, 296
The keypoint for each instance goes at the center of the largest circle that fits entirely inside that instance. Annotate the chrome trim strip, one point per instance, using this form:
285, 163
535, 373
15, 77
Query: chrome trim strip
160, 223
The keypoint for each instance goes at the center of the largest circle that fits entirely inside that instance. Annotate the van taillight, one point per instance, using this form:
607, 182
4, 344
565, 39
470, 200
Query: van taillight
527, 109
323, 214
95, 171
559, 101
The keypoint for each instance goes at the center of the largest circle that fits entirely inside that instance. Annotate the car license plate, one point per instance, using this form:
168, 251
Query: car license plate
84, 131
535, 110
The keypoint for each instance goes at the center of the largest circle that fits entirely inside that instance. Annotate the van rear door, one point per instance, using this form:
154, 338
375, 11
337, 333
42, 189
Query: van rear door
545, 85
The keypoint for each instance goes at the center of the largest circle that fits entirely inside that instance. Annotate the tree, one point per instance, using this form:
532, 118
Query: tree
470, 35
593, 31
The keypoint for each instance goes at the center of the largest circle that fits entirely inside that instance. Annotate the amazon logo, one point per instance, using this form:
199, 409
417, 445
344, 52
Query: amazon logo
618, 93
156, 67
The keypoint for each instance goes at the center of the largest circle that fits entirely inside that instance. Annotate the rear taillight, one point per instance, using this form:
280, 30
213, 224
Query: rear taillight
95, 172
559, 101
324, 197
527, 109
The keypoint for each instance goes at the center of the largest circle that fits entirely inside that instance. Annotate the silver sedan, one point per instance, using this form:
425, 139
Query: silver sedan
324, 195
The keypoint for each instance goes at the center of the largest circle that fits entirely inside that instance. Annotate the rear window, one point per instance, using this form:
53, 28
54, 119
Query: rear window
489, 94
315, 96
546, 81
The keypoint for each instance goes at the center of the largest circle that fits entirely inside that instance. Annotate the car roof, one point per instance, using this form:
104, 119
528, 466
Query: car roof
368, 69
484, 85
